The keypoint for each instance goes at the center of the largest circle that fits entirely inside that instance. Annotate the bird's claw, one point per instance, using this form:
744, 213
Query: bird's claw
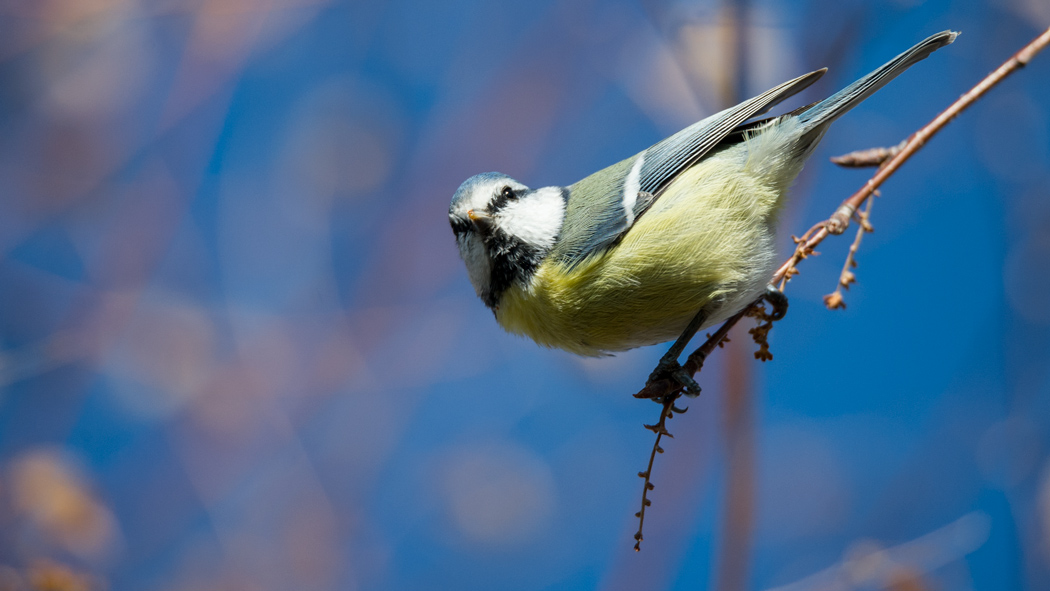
777, 301
670, 369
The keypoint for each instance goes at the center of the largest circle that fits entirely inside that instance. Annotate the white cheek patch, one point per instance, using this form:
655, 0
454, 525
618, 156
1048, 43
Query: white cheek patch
535, 219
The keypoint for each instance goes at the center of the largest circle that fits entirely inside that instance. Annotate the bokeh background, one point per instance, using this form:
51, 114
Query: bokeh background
238, 350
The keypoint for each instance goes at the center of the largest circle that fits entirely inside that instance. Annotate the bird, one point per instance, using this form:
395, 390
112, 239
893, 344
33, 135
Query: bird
676, 238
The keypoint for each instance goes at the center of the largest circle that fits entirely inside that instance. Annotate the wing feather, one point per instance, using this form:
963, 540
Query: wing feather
667, 159
620, 194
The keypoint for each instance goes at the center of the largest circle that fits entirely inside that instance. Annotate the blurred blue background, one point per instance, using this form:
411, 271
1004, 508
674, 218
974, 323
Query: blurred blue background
238, 350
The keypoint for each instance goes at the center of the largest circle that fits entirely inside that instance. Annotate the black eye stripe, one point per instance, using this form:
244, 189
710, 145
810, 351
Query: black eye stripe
505, 195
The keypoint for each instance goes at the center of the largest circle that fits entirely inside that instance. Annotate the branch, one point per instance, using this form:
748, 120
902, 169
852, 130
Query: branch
839, 221
667, 392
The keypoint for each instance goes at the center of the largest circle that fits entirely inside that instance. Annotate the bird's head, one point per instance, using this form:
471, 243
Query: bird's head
504, 230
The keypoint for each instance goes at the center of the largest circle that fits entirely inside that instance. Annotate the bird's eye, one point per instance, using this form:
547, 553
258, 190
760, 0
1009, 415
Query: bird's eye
508, 193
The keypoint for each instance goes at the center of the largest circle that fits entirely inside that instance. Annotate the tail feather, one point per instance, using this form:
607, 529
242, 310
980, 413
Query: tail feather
823, 113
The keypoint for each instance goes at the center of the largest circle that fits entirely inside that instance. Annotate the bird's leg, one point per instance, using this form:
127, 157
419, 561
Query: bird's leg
669, 366
777, 301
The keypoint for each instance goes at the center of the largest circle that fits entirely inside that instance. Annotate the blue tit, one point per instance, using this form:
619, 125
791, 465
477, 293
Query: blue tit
676, 238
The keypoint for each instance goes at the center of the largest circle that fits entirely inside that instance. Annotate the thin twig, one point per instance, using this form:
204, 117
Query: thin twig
834, 299
660, 428
869, 157
666, 392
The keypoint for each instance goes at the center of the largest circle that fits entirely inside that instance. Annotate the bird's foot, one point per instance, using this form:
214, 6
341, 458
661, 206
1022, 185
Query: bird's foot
777, 301
670, 369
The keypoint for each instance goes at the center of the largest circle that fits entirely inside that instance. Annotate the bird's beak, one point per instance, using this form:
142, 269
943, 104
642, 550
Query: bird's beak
482, 221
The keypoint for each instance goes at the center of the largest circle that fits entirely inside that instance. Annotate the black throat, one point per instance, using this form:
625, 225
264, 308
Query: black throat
512, 260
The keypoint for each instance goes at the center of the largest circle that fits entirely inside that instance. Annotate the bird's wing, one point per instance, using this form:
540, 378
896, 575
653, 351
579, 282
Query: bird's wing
620, 194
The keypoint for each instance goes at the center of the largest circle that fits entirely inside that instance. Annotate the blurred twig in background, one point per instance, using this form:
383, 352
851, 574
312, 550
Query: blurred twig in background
738, 522
867, 565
